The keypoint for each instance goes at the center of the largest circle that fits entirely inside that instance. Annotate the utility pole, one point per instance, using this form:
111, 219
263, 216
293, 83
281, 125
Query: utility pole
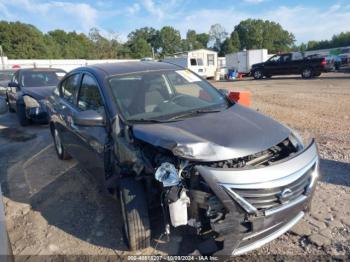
2, 57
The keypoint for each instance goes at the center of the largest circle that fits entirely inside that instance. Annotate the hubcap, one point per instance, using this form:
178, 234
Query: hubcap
307, 73
58, 142
257, 74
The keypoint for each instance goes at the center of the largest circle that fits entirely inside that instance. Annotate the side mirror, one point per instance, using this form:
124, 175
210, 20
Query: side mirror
12, 84
88, 118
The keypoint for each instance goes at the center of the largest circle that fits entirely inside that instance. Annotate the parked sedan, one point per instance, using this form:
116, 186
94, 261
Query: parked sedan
168, 144
28, 90
5, 78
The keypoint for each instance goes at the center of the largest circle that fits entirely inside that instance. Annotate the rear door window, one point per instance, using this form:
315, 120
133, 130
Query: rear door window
193, 62
89, 95
69, 88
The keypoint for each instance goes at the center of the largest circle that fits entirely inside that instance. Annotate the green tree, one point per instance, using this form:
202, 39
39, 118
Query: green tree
71, 45
102, 47
255, 34
191, 42
147, 33
20, 40
230, 45
203, 38
140, 48
168, 41
141, 41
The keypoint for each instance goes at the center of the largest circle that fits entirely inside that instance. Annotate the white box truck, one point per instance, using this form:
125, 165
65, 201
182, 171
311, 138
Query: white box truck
243, 61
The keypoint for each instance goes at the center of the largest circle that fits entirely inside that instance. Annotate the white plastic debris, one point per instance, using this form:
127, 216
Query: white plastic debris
167, 174
178, 210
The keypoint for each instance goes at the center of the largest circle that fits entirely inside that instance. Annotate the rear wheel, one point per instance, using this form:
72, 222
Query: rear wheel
21, 114
135, 214
306, 73
60, 150
258, 74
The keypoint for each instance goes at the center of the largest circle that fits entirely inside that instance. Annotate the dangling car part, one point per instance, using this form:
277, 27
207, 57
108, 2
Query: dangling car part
173, 148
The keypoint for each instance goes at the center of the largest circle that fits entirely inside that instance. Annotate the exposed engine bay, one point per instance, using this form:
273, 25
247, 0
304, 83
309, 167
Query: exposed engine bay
186, 198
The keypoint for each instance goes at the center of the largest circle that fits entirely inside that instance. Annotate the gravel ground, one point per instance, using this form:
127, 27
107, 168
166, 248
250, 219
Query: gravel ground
54, 207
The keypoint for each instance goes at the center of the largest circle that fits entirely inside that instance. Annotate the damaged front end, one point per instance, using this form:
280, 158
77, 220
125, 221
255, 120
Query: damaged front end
245, 202
238, 187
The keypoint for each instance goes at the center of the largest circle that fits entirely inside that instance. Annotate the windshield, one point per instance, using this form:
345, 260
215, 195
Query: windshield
163, 95
6, 75
41, 78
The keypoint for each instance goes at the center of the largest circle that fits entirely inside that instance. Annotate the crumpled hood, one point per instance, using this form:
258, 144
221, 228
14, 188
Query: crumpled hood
232, 133
38, 93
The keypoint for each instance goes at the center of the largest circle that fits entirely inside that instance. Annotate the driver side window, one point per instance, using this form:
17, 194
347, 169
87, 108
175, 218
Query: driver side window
89, 95
275, 58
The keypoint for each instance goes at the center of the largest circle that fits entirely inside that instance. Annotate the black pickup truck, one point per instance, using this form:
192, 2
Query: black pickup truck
290, 64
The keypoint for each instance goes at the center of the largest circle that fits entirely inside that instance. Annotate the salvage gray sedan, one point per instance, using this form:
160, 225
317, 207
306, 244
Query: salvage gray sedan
170, 146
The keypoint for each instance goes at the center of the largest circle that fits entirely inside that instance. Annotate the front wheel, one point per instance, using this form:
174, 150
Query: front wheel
258, 74
306, 73
60, 150
135, 214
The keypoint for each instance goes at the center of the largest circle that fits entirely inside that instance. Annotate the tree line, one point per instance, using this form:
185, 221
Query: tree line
339, 40
25, 41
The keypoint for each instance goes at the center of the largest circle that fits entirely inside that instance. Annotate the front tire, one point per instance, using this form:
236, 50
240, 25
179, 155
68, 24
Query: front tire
307, 73
60, 150
21, 114
135, 214
258, 74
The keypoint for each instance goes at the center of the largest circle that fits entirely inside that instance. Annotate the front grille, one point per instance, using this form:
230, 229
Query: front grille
272, 197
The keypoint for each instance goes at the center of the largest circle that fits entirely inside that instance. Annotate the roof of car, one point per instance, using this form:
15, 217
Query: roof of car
133, 67
41, 69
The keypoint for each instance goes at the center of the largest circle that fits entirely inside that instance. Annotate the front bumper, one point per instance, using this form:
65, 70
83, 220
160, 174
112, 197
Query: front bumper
262, 203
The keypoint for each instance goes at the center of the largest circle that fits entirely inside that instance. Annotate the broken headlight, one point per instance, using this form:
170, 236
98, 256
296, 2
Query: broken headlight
195, 150
296, 140
30, 102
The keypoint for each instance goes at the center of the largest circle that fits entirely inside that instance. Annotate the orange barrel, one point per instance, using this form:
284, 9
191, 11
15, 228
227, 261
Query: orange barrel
241, 97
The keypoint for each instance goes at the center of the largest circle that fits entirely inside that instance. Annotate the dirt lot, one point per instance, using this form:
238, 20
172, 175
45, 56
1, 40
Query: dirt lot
54, 207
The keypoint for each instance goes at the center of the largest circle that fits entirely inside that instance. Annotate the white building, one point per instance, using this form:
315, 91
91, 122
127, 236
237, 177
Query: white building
65, 64
204, 62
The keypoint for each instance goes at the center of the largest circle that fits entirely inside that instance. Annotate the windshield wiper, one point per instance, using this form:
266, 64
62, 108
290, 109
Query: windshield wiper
147, 120
195, 112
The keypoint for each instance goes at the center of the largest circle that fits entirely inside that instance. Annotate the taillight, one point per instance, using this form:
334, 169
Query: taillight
323, 61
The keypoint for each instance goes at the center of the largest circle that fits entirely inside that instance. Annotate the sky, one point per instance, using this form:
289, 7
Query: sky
307, 20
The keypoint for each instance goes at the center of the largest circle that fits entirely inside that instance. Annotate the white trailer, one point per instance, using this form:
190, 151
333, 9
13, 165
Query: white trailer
204, 62
243, 61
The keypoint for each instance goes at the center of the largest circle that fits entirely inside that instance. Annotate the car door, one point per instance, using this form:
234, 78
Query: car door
285, 65
65, 107
89, 141
271, 66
